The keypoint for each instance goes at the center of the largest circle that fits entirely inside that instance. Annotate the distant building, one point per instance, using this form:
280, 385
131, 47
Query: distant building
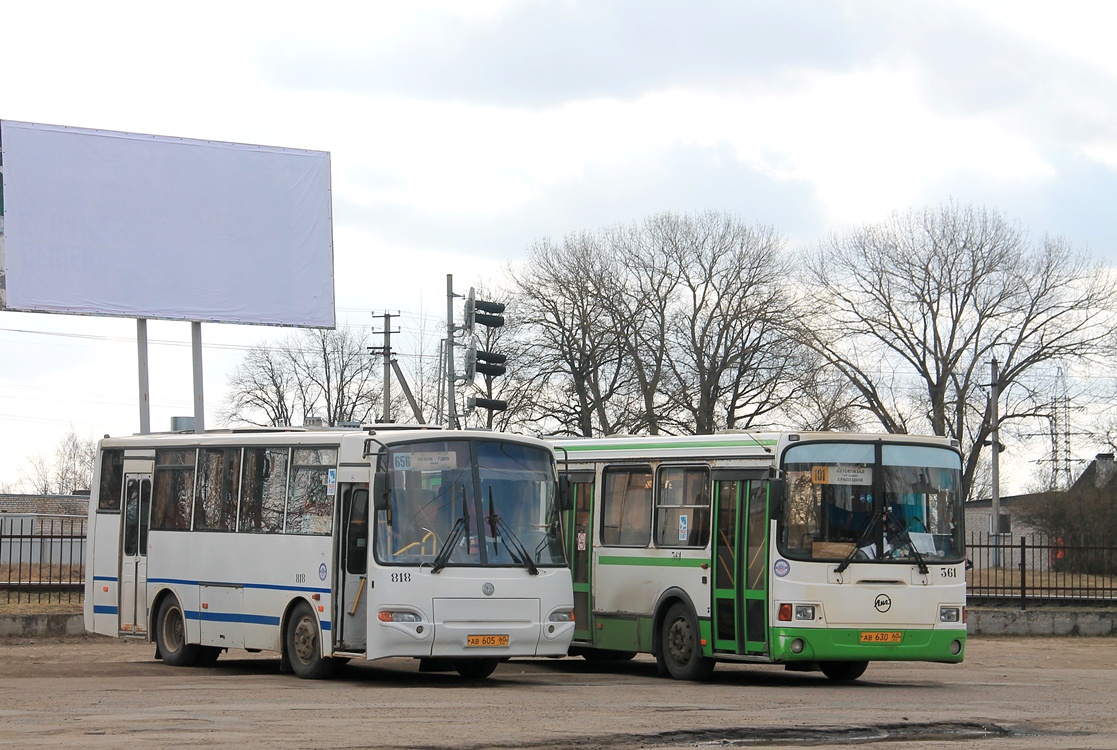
45, 505
1100, 474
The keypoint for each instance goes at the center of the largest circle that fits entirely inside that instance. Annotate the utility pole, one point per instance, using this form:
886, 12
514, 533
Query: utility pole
451, 405
387, 415
995, 492
390, 366
386, 350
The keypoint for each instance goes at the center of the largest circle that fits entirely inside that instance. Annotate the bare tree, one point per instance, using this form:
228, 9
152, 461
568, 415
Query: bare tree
675, 324
336, 376
648, 259
262, 389
913, 310
729, 354
571, 355
319, 372
70, 470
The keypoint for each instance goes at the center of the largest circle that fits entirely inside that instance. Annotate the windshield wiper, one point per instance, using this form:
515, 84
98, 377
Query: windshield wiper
512, 542
862, 535
904, 537
461, 528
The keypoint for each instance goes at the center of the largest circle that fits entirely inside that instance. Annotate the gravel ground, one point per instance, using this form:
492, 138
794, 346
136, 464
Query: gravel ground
95, 692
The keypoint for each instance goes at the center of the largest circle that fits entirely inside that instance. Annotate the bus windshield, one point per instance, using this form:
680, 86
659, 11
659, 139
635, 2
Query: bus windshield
469, 503
859, 502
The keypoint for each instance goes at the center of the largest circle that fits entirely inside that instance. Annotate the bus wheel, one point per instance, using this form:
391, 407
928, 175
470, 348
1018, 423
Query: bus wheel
475, 669
843, 671
207, 655
304, 645
680, 654
170, 633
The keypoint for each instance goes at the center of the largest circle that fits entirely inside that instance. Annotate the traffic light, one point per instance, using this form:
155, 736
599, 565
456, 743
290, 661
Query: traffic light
489, 364
492, 404
489, 314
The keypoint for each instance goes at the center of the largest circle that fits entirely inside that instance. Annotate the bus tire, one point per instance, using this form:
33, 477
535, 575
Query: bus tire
303, 642
843, 671
680, 652
207, 655
475, 669
170, 635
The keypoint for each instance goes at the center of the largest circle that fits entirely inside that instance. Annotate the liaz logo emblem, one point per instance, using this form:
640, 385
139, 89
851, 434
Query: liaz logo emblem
883, 603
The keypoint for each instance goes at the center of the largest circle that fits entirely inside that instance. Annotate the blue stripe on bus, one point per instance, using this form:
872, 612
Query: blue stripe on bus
264, 586
232, 617
245, 619
111, 579
104, 609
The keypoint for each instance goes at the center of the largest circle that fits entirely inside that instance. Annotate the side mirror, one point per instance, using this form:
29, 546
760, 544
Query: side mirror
566, 493
777, 498
380, 497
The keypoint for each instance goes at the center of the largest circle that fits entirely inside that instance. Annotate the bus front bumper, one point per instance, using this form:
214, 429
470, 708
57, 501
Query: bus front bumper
850, 644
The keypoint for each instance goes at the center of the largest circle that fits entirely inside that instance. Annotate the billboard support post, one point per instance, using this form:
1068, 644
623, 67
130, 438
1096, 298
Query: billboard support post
199, 401
141, 356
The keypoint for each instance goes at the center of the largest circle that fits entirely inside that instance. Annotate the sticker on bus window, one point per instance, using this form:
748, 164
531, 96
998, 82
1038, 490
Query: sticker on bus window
855, 475
331, 482
426, 461
682, 527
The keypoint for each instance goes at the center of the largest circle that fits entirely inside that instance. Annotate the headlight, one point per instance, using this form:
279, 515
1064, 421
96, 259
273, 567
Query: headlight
804, 611
561, 615
950, 614
387, 616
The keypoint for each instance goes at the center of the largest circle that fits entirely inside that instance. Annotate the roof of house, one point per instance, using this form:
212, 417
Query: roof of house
1101, 472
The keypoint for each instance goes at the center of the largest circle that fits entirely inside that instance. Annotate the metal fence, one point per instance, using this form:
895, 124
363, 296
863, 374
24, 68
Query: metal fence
1039, 569
42, 558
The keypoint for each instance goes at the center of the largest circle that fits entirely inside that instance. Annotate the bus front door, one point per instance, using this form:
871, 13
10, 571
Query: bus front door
350, 621
133, 558
578, 532
740, 552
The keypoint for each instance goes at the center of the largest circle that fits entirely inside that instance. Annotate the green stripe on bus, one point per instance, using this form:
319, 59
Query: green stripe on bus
573, 447
661, 562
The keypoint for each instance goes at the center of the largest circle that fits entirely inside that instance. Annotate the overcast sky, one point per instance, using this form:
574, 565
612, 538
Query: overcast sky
462, 132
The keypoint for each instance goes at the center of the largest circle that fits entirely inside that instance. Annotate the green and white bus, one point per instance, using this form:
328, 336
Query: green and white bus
328, 545
813, 550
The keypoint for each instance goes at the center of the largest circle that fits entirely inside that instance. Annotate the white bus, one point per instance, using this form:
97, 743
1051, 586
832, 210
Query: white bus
327, 545
816, 551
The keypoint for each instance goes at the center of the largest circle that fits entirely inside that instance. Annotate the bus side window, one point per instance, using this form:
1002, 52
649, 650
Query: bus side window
310, 504
626, 508
112, 480
174, 489
265, 487
683, 507
215, 506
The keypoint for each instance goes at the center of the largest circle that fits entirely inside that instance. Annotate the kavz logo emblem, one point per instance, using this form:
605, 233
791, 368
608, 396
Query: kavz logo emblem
883, 603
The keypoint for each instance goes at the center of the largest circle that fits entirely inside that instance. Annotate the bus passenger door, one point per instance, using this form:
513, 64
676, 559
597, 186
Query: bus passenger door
578, 532
350, 621
740, 563
133, 558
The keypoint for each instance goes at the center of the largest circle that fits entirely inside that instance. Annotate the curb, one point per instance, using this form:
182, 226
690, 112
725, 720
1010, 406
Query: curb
1055, 621
29, 626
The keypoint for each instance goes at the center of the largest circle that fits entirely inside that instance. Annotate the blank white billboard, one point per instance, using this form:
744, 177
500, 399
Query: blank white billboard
99, 222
